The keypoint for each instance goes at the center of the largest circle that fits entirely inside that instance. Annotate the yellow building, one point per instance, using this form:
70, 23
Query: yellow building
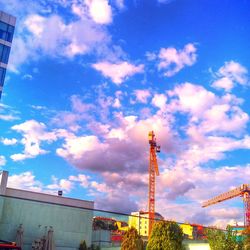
122, 226
187, 230
140, 221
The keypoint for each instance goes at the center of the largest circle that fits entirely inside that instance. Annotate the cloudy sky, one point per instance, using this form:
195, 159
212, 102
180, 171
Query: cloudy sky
88, 79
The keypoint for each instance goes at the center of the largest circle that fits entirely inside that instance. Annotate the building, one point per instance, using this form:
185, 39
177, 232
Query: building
108, 232
188, 230
140, 221
71, 219
7, 26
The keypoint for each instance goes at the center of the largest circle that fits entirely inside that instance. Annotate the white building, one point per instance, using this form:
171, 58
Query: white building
71, 219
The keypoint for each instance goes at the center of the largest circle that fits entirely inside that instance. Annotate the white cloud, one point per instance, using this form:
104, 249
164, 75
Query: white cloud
84, 180
8, 113
117, 99
142, 95
209, 112
2, 160
159, 100
203, 149
223, 83
100, 11
118, 72
235, 71
219, 180
33, 134
78, 105
79, 10
62, 184
52, 35
117, 103
20, 157
118, 148
35, 24
7, 141
26, 181
113, 148
226, 118
8, 117
230, 74
43, 31
192, 98
173, 60
27, 77
224, 213
116, 152
75, 147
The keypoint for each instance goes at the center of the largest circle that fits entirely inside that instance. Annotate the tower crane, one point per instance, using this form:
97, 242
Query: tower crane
242, 191
153, 170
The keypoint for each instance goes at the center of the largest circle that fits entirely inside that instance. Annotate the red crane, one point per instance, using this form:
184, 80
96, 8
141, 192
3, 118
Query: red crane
153, 170
243, 191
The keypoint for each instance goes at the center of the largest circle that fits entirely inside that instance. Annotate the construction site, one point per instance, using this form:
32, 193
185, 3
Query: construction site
71, 221
124, 123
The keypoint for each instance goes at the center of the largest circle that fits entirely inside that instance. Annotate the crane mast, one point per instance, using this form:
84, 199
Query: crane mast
153, 170
242, 191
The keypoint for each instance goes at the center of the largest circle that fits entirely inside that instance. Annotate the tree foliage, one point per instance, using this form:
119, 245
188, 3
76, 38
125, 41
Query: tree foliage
83, 245
166, 235
132, 240
246, 236
223, 240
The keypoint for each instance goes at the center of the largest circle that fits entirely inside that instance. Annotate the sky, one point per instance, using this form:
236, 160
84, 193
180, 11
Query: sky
87, 80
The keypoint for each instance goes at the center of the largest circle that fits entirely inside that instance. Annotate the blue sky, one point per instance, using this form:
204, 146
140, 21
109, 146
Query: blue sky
87, 80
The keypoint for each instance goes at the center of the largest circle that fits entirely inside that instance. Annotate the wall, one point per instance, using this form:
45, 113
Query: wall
101, 238
71, 225
198, 246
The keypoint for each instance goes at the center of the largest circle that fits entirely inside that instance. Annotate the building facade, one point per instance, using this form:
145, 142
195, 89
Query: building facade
140, 221
71, 219
7, 27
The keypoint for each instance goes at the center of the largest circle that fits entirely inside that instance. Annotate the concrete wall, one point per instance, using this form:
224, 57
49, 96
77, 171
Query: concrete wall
101, 238
71, 225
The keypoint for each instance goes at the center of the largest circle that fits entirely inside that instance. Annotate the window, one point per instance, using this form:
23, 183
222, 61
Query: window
4, 53
2, 75
1, 50
6, 31
10, 33
3, 26
3, 30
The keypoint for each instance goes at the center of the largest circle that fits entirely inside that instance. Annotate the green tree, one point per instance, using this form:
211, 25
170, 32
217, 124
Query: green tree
246, 236
132, 240
220, 240
83, 245
166, 235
